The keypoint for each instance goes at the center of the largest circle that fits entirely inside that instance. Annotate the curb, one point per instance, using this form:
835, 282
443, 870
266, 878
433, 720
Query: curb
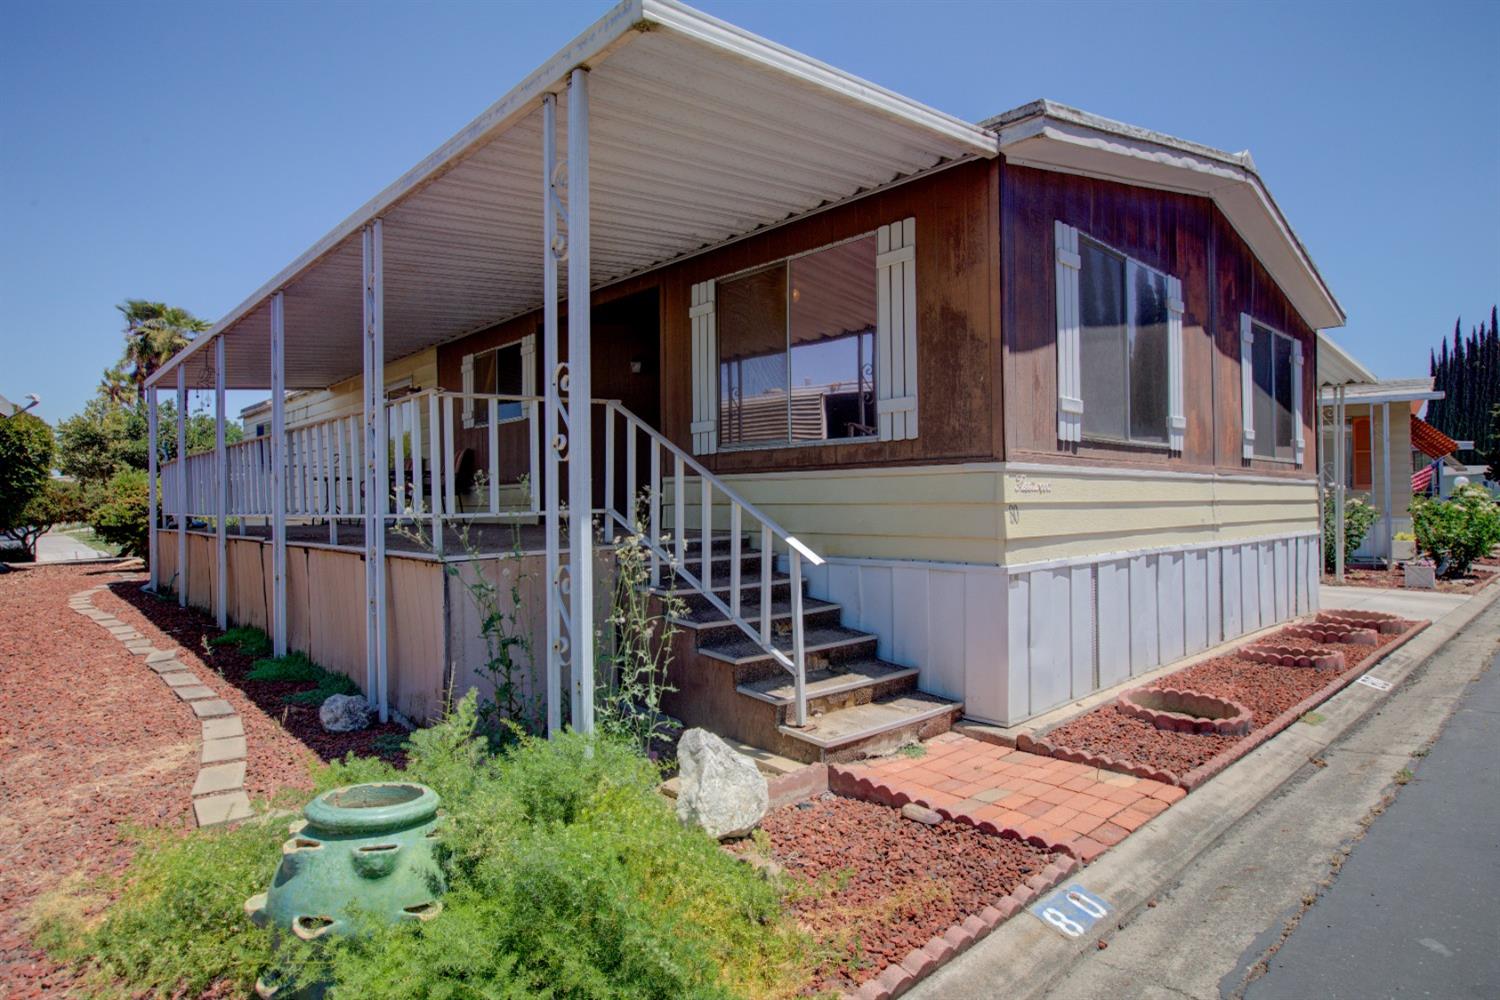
219, 789
1023, 959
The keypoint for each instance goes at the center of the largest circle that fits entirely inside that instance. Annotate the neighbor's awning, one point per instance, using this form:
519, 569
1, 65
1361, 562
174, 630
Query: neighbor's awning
700, 133
1429, 440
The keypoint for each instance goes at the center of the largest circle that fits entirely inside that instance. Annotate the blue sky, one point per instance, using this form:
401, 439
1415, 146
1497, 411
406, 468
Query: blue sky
186, 152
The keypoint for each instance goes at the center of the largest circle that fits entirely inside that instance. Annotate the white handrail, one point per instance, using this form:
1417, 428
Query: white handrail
657, 544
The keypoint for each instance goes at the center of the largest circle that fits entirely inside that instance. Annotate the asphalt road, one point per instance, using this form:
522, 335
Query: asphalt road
1415, 910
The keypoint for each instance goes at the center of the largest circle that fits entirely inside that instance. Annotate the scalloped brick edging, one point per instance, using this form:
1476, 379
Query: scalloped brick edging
897, 978
1182, 710
1213, 766
1380, 621
1331, 632
1286, 655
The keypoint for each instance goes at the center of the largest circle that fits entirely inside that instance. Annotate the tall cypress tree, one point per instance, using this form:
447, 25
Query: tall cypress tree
1467, 372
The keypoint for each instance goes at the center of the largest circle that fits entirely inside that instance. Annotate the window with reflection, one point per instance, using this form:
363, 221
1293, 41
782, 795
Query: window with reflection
1271, 371
498, 372
1123, 346
797, 349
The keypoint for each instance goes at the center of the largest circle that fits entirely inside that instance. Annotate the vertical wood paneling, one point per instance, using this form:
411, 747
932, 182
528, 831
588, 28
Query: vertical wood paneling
1081, 622
1249, 588
1195, 601
1018, 659
1233, 579
1286, 582
987, 652
1170, 627
1114, 622
1145, 651
1049, 643
942, 663
1267, 560
842, 587
875, 605
909, 599
1214, 594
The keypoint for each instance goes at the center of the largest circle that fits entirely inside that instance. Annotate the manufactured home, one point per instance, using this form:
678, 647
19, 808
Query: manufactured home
922, 418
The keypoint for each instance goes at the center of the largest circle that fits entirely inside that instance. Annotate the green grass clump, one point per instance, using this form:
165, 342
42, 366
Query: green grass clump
297, 668
246, 639
568, 875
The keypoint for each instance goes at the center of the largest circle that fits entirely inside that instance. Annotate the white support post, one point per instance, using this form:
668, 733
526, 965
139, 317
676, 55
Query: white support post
278, 475
580, 423
185, 503
552, 249
1338, 485
377, 469
221, 494
1385, 435
153, 472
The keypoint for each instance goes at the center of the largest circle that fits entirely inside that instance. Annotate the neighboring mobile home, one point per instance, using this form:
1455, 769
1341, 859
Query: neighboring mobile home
1025, 406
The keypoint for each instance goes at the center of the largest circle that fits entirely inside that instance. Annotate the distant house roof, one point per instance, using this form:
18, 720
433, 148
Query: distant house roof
1385, 390
1337, 366
1054, 136
1429, 440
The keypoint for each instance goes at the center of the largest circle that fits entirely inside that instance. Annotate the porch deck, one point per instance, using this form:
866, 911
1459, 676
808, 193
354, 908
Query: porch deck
473, 540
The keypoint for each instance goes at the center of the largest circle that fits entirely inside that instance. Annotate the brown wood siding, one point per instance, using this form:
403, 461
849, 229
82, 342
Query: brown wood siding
957, 215
1183, 235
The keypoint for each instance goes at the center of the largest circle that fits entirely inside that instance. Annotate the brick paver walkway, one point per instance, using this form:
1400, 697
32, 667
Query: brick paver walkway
1083, 810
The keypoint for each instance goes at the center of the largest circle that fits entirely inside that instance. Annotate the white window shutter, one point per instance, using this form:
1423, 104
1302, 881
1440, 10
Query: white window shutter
528, 365
468, 389
1176, 408
705, 427
1069, 348
1247, 385
896, 330
1297, 440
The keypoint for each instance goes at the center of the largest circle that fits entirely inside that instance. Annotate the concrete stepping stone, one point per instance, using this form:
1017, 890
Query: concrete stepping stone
219, 778
221, 729
140, 647
160, 655
168, 666
218, 751
182, 678
195, 692
212, 708
215, 810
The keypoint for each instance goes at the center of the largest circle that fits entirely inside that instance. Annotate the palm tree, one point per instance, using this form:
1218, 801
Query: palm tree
154, 331
116, 385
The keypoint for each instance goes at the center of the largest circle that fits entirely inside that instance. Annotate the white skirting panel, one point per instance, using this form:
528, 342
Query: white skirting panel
1013, 642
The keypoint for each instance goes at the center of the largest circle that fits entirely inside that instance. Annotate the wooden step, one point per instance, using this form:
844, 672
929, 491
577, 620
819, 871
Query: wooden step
874, 728
712, 628
828, 642
829, 688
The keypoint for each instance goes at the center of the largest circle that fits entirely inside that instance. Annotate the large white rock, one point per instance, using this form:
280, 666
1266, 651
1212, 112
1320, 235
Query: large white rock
344, 713
719, 790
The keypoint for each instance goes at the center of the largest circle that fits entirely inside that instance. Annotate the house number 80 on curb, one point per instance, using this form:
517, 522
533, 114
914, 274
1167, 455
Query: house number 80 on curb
1071, 911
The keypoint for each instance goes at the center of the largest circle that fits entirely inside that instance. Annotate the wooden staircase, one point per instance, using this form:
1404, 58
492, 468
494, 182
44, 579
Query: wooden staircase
858, 705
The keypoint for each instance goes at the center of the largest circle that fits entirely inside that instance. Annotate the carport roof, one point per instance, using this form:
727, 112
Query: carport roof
700, 133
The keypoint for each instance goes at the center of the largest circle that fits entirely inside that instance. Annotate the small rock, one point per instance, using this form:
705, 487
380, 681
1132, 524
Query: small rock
720, 790
344, 713
921, 814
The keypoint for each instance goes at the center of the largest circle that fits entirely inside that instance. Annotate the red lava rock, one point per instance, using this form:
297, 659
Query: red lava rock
1266, 689
92, 742
1103, 944
883, 886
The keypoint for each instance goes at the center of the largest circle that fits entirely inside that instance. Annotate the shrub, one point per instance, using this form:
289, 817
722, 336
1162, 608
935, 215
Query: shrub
57, 502
1458, 530
569, 876
296, 668
245, 639
1359, 517
123, 514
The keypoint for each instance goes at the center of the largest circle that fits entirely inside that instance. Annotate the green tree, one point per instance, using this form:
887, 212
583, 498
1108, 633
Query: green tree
25, 464
122, 515
154, 331
59, 501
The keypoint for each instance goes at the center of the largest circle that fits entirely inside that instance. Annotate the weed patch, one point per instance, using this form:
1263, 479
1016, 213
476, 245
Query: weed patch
246, 639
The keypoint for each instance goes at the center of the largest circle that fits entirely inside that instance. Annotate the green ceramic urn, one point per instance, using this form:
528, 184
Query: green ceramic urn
362, 853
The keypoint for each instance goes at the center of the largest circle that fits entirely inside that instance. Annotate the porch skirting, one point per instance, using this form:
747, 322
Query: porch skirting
1014, 641
435, 639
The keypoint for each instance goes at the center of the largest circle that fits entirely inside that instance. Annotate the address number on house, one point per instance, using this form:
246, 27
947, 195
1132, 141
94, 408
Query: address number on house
1072, 911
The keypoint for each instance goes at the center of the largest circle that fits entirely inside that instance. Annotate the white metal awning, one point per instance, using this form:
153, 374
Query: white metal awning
700, 133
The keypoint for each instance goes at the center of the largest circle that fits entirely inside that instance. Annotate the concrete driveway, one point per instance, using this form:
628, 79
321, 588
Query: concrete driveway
1416, 604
